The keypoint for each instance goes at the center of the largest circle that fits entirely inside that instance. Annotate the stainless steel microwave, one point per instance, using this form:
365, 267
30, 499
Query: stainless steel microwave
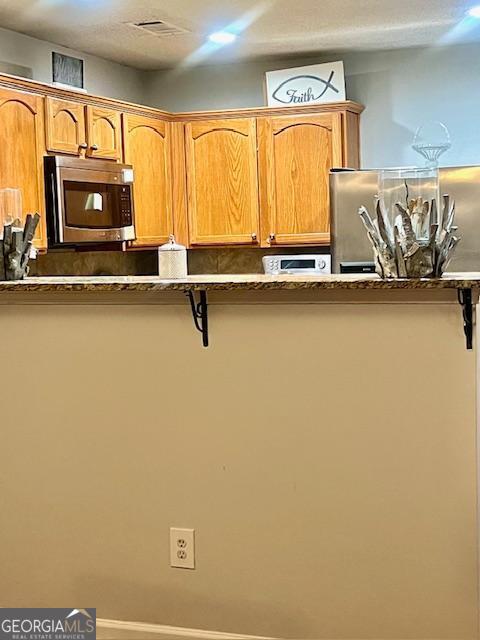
88, 201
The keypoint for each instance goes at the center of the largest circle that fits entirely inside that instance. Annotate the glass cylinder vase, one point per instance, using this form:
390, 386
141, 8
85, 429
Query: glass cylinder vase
411, 188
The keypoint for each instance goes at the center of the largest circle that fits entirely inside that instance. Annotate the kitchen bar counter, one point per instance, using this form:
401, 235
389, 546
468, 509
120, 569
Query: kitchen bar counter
227, 282
328, 434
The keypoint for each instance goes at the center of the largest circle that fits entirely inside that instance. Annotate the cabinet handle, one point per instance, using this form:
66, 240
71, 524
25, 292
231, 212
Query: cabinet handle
271, 238
254, 237
94, 147
83, 145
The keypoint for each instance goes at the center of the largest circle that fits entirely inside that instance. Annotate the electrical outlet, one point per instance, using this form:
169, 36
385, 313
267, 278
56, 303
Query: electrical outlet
182, 548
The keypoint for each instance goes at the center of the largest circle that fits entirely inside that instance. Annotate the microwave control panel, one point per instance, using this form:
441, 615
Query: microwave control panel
125, 206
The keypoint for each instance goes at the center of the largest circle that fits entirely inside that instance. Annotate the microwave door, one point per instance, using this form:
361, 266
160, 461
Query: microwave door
92, 206
95, 207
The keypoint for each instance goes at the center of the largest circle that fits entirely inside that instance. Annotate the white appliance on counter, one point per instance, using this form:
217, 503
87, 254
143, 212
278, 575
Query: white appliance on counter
303, 264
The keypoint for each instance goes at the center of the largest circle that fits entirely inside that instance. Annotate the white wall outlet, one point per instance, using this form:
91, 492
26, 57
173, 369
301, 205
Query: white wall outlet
182, 548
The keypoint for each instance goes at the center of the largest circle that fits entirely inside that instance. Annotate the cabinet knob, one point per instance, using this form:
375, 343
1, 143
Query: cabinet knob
83, 145
271, 238
254, 237
94, 147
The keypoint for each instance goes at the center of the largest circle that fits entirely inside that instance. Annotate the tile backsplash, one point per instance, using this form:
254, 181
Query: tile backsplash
238, 260
96, 263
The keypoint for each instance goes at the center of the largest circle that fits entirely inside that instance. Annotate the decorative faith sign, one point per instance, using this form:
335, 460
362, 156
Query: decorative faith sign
314, 84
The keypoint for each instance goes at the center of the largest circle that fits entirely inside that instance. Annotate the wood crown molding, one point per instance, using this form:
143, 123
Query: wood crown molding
266, 112
33, 86
44, 89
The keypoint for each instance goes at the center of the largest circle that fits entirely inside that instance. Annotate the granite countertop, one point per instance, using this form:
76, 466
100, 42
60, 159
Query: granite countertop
229, 282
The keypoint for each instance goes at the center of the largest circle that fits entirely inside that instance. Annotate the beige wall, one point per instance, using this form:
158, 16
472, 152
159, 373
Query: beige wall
30, 57
324, 454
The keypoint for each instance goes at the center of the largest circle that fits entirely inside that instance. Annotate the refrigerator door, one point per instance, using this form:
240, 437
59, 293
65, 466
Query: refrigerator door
463, 184
351, 189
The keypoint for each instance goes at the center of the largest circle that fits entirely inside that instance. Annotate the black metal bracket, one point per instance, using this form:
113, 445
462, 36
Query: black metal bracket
465, 300
200, 314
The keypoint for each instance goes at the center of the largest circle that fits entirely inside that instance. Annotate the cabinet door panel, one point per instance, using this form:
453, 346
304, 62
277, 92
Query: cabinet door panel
296, 155
22, 149
65, 126
222, 182
104, 127
147, 148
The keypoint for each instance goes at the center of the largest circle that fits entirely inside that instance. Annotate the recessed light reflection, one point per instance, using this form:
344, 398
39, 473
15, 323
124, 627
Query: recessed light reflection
217, 40
222, 37
474, 12
465, 29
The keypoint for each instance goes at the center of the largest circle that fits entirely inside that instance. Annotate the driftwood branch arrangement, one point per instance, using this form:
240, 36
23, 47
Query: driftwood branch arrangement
15, 248
418, 244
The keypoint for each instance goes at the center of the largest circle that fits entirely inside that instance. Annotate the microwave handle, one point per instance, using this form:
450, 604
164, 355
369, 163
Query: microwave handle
53, 221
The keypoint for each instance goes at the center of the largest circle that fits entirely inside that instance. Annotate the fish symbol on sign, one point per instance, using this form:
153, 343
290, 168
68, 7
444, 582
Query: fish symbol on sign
287, 93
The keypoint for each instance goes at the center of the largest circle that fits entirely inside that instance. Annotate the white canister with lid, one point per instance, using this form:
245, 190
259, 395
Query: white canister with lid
172, 260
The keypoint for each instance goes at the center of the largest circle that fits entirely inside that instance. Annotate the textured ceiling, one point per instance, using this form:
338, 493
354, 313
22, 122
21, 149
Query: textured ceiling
270, 27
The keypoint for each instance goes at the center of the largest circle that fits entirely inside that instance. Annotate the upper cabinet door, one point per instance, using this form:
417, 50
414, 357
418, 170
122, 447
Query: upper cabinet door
21, 153
147, 148
296, 154
65, 126
222, 185
104, 127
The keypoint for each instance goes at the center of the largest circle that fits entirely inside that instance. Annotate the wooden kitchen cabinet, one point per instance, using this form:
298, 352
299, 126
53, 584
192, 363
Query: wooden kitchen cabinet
21, 153
147, 148
104, 133
248, 177
222, 184
65, 126
296, 154
78, 129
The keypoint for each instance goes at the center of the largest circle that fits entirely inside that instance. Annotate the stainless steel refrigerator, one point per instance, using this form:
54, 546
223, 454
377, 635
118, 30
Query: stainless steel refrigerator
351, 189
